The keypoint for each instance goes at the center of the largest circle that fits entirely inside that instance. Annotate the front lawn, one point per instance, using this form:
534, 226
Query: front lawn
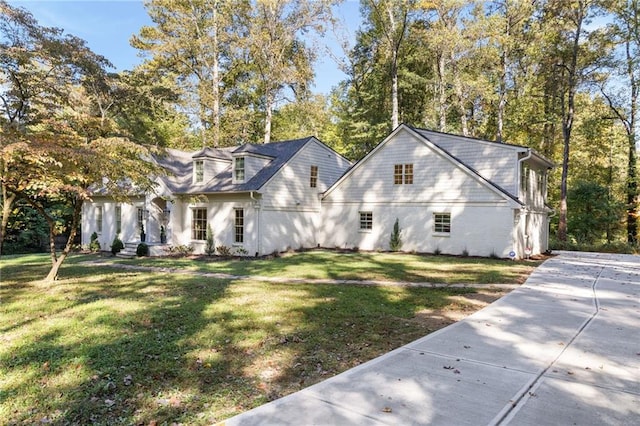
326, 264
108, 346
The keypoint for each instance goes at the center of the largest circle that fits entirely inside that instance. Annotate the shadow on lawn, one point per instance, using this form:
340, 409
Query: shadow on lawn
177, 348
346, 328
329, 264
129, 347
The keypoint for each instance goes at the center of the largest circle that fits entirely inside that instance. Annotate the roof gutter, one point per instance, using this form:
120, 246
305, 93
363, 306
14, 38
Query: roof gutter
218, 193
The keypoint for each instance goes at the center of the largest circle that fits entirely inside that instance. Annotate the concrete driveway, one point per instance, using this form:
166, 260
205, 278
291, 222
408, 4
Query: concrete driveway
563, 349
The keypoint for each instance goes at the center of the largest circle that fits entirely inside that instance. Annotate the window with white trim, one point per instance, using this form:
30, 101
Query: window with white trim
118, 219
99, 219
238, 169
442, 223
199, 224
238, 226
140, 219
198, 171
366, 221
524, 177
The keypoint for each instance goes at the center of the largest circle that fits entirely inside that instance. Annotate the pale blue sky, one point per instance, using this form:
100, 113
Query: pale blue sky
107, 27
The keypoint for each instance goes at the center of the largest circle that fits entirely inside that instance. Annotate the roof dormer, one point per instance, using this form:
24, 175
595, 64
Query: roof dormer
246, 164
208, 163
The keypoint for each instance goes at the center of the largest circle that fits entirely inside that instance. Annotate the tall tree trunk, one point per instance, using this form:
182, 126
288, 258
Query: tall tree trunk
632, 179
268, 116
7, 205
395, 36
464, 122
55, 268
632, 192
562, 222
216, 78
394, 91
568, 116
442, 94
628, 118
502, 96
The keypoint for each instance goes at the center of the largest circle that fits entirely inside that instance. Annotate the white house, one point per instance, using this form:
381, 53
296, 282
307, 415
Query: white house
257, 199
449, 193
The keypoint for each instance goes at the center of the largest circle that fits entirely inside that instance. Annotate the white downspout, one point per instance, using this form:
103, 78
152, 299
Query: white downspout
256, 206
523, 210
549, 217
520, 161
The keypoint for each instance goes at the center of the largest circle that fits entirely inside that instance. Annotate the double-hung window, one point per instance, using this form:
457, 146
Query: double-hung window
408, 174
238, 226
99, 219
366, 221
140, 218
238, 169
442, 223
199, 224
118, 219
198, 171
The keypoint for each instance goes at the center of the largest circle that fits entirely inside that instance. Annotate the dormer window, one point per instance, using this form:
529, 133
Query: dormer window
238, 169
198, 171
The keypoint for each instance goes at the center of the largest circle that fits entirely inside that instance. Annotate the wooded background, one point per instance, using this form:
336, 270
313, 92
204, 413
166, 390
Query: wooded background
560, 76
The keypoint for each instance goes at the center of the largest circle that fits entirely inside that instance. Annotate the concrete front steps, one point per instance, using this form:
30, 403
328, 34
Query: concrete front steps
155, 249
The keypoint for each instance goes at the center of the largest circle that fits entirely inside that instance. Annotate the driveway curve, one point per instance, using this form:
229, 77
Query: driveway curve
562, 349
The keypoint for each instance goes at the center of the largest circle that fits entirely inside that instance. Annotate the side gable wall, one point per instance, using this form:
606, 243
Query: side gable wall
481, 219
435, 177
290, 188
290, 215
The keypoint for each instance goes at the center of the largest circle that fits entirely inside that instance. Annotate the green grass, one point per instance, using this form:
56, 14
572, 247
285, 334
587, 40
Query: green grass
108, 346
322, 264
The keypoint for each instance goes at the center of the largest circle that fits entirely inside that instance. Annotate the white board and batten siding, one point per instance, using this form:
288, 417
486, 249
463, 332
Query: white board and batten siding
481, 218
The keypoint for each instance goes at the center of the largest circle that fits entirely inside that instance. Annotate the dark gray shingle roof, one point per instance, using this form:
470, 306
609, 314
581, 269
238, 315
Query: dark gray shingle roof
223, 154
425, 134
179, 164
